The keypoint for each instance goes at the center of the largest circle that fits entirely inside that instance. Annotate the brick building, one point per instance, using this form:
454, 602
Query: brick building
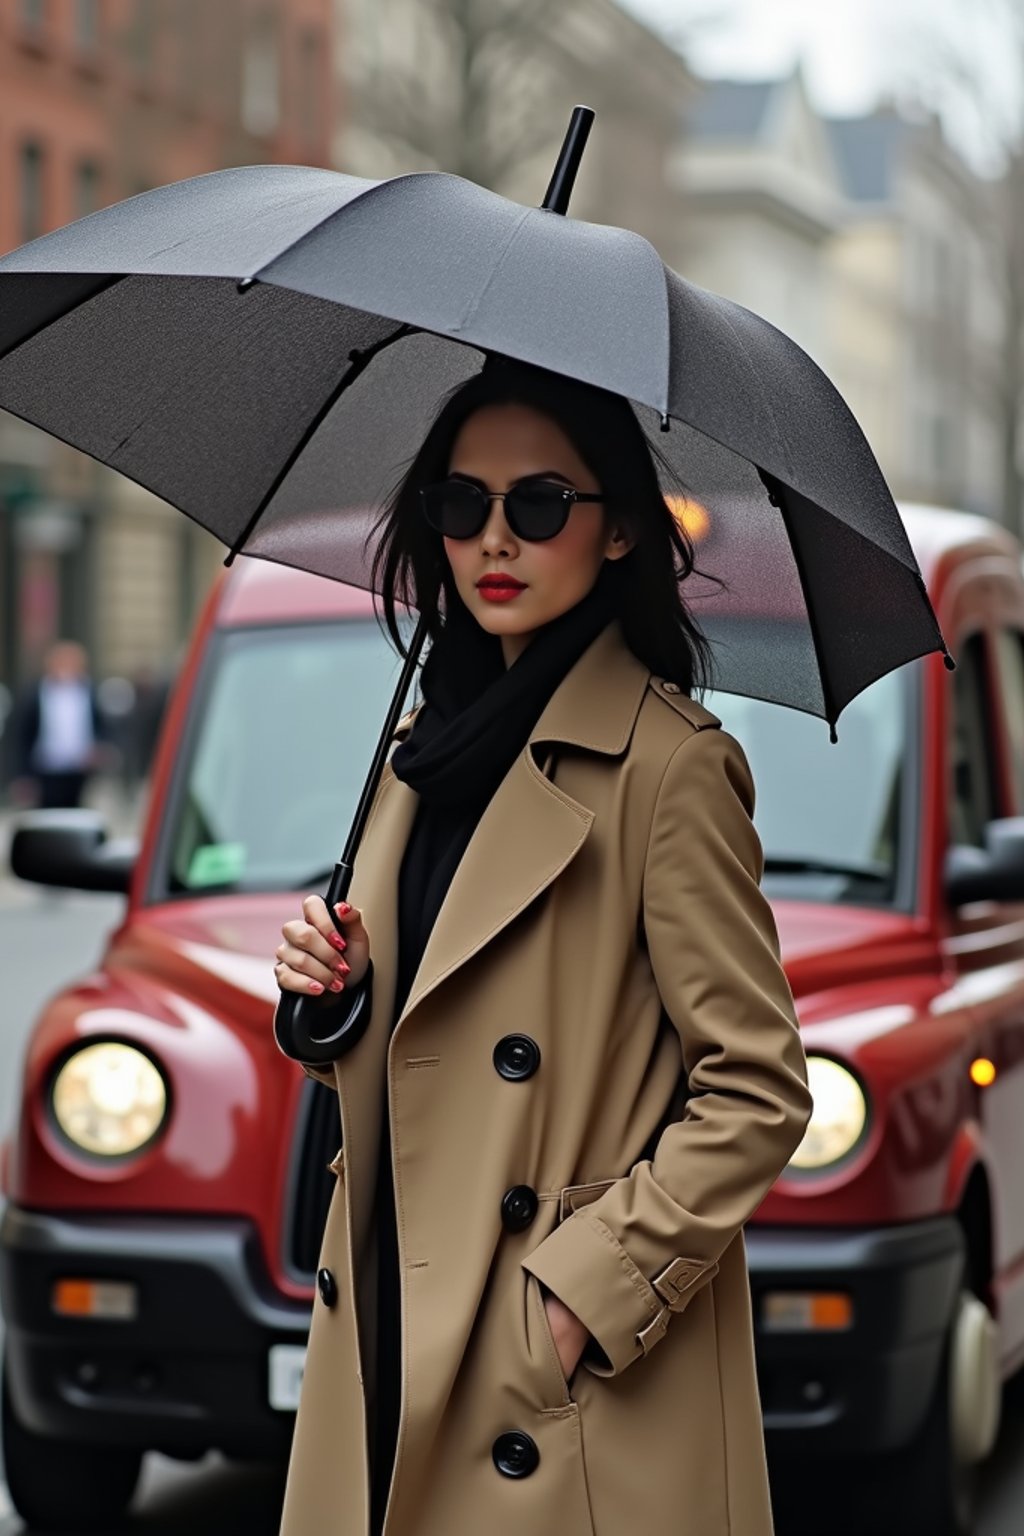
100, 100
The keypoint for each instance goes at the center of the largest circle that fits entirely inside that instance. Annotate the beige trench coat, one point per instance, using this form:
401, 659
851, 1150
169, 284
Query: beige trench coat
608, 907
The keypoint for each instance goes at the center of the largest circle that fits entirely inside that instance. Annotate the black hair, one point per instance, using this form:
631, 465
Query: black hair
410, 567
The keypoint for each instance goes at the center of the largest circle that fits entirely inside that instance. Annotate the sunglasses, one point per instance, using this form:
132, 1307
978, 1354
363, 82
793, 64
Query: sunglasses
534, 510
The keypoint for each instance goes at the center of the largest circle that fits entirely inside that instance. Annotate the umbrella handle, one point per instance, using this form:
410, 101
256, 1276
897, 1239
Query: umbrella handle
302, 1024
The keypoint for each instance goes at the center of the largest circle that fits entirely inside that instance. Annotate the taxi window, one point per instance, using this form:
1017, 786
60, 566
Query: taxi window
1010, 661
281, 741
829, 815
971, 783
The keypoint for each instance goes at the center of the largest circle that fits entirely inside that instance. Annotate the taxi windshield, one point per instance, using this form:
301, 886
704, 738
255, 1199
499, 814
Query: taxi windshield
281, 741
830, 816
287, 718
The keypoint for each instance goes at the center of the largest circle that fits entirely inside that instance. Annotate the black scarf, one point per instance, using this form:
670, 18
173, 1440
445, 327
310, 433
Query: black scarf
476, 718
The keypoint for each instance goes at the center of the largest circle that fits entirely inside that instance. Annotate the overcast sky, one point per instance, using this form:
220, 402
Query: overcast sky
851, 50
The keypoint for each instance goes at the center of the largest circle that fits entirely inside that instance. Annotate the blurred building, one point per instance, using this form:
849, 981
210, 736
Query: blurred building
863, 239
762, 200
484, 88
916, 319
100, 100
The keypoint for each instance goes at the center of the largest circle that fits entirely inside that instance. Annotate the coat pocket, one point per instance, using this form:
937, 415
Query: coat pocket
541, 1345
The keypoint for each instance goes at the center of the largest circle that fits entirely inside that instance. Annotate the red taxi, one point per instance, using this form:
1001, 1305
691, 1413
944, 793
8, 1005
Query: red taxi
168, 1177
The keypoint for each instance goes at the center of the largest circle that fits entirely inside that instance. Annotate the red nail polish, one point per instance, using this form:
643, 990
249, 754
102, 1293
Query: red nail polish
337, 984
337, 940
316, 986
344, 968
343, 908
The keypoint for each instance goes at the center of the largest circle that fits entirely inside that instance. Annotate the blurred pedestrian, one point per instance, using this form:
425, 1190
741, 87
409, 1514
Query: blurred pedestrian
58, 732
582, 1071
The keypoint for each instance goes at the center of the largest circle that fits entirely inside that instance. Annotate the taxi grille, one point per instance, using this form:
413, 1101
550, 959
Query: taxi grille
311, 1184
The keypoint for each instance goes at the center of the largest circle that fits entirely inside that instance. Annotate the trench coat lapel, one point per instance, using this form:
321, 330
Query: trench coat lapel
532, 830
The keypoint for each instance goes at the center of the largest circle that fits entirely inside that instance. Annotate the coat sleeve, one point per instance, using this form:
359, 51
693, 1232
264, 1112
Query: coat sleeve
628, 1261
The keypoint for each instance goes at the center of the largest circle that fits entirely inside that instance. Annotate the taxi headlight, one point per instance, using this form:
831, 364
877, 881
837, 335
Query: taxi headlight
839, 1118
109, 1099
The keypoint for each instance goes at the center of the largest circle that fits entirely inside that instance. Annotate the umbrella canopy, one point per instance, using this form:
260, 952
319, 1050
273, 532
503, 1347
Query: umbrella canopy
265, 348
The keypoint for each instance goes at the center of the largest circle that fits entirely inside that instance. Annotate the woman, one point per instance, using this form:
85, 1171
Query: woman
582, 1071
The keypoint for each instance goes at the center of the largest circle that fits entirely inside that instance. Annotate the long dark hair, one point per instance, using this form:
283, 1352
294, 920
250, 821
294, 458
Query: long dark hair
410, 567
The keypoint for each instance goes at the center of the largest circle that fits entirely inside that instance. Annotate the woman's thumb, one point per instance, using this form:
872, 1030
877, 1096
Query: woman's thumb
349, 917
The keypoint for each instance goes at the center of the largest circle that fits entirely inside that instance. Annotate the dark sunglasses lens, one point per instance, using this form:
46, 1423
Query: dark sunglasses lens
537, 511
456, 511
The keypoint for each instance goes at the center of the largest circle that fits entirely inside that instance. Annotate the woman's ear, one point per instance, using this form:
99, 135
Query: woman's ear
620, 542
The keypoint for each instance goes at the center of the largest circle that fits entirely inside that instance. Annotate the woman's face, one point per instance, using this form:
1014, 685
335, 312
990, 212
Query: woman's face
497, 447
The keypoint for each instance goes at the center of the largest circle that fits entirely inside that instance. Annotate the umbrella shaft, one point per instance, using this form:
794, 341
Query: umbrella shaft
380, 757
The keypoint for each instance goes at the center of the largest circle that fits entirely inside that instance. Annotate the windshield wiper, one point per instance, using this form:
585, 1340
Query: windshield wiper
775, 864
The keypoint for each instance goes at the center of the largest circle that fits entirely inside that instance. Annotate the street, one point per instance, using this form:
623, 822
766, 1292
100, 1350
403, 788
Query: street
47, 939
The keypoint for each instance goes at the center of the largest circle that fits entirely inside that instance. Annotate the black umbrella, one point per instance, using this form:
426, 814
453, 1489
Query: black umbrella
265, 348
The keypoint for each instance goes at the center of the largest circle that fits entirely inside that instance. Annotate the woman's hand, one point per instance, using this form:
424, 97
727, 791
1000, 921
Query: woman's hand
315, 958
569, 1334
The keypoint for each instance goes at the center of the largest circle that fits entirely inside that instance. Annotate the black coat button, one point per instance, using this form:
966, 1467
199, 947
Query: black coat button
327, 1286
515, 1454
516, 1057
518, 1207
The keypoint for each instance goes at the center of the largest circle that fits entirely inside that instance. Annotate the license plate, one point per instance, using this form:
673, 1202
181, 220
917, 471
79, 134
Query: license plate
287, 1362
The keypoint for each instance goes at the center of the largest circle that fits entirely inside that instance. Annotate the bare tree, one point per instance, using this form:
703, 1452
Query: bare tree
978, 77
469, 85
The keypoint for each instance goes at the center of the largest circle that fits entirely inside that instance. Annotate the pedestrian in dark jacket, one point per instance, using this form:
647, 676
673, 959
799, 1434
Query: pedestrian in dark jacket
58, 732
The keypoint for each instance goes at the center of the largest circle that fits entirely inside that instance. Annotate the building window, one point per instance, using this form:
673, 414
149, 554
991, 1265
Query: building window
31, 191
261, 83
87, 188
87, 25
310, 54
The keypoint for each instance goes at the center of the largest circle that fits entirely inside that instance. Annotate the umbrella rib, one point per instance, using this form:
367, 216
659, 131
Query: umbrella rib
358, 360
782, 439
105, 281
776, 496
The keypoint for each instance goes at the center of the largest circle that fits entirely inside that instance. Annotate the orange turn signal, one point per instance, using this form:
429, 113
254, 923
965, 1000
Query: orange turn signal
983, 1072
95, 1298
691, 515
806, 1312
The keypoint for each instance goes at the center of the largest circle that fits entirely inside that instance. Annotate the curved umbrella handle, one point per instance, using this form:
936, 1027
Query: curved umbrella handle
308, 1028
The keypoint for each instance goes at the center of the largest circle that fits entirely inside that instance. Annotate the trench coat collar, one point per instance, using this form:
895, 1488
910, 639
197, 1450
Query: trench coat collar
532, 830
596, 704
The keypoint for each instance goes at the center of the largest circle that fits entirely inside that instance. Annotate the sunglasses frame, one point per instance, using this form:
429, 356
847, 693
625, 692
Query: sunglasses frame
568, 495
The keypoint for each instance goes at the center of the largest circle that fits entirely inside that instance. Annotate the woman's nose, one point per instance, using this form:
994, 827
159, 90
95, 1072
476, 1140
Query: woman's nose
496, 538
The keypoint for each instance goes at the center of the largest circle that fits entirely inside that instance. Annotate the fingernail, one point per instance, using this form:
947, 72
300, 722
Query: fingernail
337, 940
336, 985
342, 908
316, 986
343, 968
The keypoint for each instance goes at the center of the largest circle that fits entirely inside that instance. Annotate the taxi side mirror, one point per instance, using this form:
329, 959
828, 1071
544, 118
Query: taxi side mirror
992, 873
70, 849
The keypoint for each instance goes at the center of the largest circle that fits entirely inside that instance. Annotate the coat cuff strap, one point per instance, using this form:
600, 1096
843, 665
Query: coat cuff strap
587, 1268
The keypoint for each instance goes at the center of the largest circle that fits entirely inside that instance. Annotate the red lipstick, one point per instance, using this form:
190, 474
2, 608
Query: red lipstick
500, 589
